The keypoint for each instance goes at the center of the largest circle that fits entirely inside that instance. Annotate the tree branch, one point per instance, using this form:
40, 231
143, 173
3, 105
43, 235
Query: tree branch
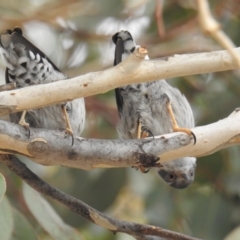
139, 231
49, 147
211, 26
133, 70
7, 87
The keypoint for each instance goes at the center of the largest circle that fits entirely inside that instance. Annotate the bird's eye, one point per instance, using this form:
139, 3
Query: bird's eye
171, 177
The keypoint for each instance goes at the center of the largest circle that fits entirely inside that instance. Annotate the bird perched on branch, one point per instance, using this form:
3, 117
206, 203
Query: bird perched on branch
151, 109
26, 66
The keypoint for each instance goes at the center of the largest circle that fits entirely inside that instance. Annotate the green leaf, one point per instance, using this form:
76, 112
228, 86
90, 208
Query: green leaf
47, 217
6, 220
22, 228
2, 186
233, 235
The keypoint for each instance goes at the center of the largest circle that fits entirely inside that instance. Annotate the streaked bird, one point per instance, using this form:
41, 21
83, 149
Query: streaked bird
151, 109
26, 66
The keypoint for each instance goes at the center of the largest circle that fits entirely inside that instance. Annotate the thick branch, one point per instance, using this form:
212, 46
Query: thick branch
48, 147
139, 231
133, 70
54, 148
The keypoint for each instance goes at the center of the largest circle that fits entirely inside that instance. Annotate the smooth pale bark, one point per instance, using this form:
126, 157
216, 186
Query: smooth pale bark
48, 147
133, 70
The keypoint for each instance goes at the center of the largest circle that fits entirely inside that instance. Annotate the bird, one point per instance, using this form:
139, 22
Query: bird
26, 65
153, 108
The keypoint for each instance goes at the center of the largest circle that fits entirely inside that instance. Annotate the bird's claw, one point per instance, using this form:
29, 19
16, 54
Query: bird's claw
69, 131
187, 131
23, 123
145, 161
176, 128
145, 133
142, 169
194, 138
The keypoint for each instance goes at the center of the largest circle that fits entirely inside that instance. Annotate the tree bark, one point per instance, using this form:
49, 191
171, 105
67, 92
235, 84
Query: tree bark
48, 147
134, 69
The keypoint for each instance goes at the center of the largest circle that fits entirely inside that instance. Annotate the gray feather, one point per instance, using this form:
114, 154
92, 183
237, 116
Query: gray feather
26, 66
147, 103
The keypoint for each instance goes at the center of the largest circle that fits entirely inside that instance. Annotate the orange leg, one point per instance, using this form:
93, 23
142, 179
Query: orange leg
142, 134
139, 129
23, 123
22, 120
68, 128
176, 128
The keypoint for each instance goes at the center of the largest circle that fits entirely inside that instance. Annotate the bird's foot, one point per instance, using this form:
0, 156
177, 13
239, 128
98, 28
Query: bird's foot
176, 128
142, 131
185, 130
26, 126
145, 133
23, 123
69, 131
145, 161
142, 169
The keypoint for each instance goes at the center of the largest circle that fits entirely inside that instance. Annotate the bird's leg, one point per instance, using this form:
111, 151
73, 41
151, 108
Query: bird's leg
142, 133
23, 123
145, 133
139, 129
68, 129
176, 128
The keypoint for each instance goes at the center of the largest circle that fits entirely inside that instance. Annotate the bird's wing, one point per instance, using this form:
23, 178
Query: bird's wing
25, 62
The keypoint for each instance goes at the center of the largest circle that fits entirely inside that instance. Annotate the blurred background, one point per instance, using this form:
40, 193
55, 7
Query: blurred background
76, 36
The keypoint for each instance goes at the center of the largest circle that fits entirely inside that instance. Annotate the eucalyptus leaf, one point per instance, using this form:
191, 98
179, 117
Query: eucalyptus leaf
234, 235
3, 186
47, 217
22, 228
6, 220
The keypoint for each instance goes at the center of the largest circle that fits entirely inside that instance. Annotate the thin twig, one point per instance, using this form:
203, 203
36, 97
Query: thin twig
159, 18
212, 27
85, 210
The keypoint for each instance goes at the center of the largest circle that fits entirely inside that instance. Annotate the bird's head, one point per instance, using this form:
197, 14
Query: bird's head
178, 173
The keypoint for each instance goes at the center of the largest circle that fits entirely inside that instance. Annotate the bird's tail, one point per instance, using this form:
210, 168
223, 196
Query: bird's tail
125, 45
